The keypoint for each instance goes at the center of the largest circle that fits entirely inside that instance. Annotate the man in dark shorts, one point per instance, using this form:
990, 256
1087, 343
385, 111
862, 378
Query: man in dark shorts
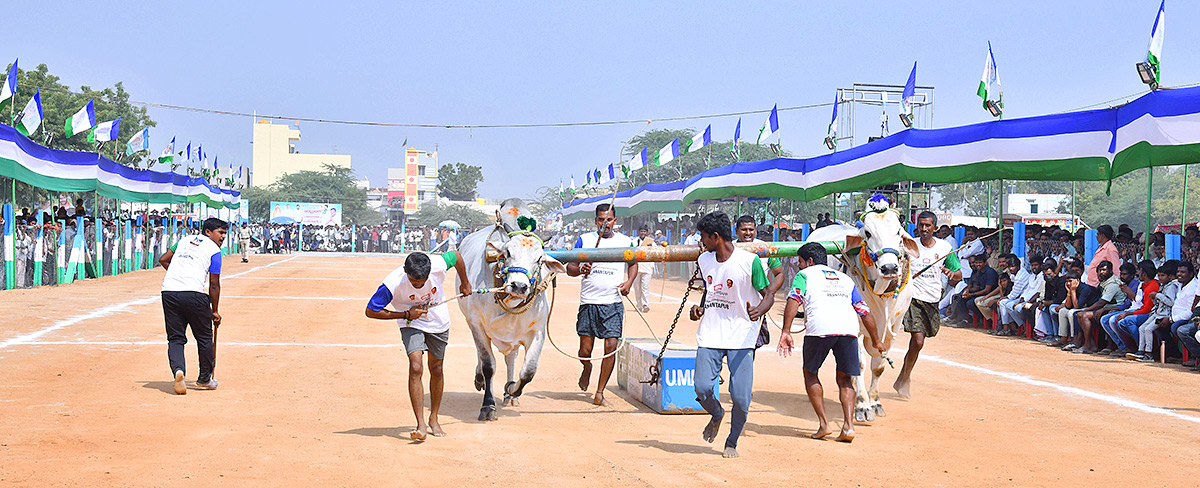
832, 309
601, 313
922, 319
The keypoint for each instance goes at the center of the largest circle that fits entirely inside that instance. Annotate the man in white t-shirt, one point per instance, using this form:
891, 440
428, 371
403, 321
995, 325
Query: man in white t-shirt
833, 309
747, 231
645, 272
923, 319
419, 288
601, 313
735, 299
191, 264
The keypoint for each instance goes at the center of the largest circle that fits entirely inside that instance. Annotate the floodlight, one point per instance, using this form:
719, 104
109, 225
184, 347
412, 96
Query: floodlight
831, 143
906, 119
1147, 72
994, 108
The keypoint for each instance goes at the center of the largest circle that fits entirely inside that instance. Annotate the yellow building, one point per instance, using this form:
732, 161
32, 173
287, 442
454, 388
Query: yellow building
275, 155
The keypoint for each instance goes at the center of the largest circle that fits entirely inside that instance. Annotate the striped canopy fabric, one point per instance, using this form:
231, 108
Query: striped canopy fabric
75, 171
1161, 128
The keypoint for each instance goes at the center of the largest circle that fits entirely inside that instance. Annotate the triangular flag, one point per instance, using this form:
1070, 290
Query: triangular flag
31, 118
770, 127
9, 89
612, 174
1154, 56
701, 139
910, 90
989, 85
668, 153
168, 154
83, 120
737, 136
831, 133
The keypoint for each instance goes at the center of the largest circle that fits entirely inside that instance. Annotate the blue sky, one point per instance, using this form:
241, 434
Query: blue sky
509, 62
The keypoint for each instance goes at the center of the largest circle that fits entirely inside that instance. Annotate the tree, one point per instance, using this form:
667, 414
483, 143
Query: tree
59, 103
335, 184
457, 181
432, 214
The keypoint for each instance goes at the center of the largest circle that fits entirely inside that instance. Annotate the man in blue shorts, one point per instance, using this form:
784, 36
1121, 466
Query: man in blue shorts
601, 313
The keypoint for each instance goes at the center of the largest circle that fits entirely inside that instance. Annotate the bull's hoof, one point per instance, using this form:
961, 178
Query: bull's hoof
512, 388
865, 414
487, 413
879, 410
510, 401
479, 382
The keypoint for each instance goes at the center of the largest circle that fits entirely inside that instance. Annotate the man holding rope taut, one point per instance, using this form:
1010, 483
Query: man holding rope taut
601, 313
923, 319
191, 263
416, 291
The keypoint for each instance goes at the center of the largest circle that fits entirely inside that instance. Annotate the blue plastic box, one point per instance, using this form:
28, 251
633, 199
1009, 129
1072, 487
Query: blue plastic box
675, 392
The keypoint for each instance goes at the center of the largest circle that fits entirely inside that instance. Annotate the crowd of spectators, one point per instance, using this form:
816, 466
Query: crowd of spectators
1116, 305
383, 238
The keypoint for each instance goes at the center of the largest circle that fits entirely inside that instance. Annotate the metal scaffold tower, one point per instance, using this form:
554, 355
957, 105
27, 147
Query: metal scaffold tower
882, 103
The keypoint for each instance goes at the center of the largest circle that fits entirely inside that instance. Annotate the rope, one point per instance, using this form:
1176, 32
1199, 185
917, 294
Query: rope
652, 334
553, 295
657, 366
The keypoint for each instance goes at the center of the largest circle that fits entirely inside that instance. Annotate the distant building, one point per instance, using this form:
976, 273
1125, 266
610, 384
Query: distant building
275, 154
416, 182
1035, 203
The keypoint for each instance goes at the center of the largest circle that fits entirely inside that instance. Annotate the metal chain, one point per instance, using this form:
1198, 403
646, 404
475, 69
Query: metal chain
657, 366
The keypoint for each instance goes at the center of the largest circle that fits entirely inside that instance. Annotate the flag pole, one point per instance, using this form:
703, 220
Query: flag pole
620, 160
1183, 211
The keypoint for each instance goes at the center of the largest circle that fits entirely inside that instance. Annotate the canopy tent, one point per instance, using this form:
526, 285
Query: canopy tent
1161, 128
76, 171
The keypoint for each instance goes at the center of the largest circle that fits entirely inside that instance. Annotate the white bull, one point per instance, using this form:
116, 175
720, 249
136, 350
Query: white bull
878, 255
510, 319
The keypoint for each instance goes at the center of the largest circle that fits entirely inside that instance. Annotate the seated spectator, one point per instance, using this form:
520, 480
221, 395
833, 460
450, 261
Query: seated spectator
1181, 312
1053, 293
1023, 288
1123, 328
1160, 312
983, 280
986, 303
1108, 290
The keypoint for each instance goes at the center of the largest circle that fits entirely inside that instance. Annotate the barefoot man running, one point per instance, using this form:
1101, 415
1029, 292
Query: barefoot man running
922, 319
601, 313
735, 298
416, 291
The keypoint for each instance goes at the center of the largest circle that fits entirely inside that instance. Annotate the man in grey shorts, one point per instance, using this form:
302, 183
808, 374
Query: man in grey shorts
418, 289
601, 312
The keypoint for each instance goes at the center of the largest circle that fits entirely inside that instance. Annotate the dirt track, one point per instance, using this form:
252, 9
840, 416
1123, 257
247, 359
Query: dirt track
313, 393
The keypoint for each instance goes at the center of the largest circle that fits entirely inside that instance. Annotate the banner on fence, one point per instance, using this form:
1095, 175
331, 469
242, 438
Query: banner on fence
306, 213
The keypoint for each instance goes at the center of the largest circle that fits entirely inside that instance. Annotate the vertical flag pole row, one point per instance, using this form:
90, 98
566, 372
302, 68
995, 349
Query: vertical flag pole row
128, 245
79, 251
138, 246
9, 248
39, 250
98, 262
60, 256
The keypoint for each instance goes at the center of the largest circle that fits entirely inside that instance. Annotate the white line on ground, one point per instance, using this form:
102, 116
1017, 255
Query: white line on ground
1070, 390
294, 298
221, 343
94, 314
306, 278
103, 312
